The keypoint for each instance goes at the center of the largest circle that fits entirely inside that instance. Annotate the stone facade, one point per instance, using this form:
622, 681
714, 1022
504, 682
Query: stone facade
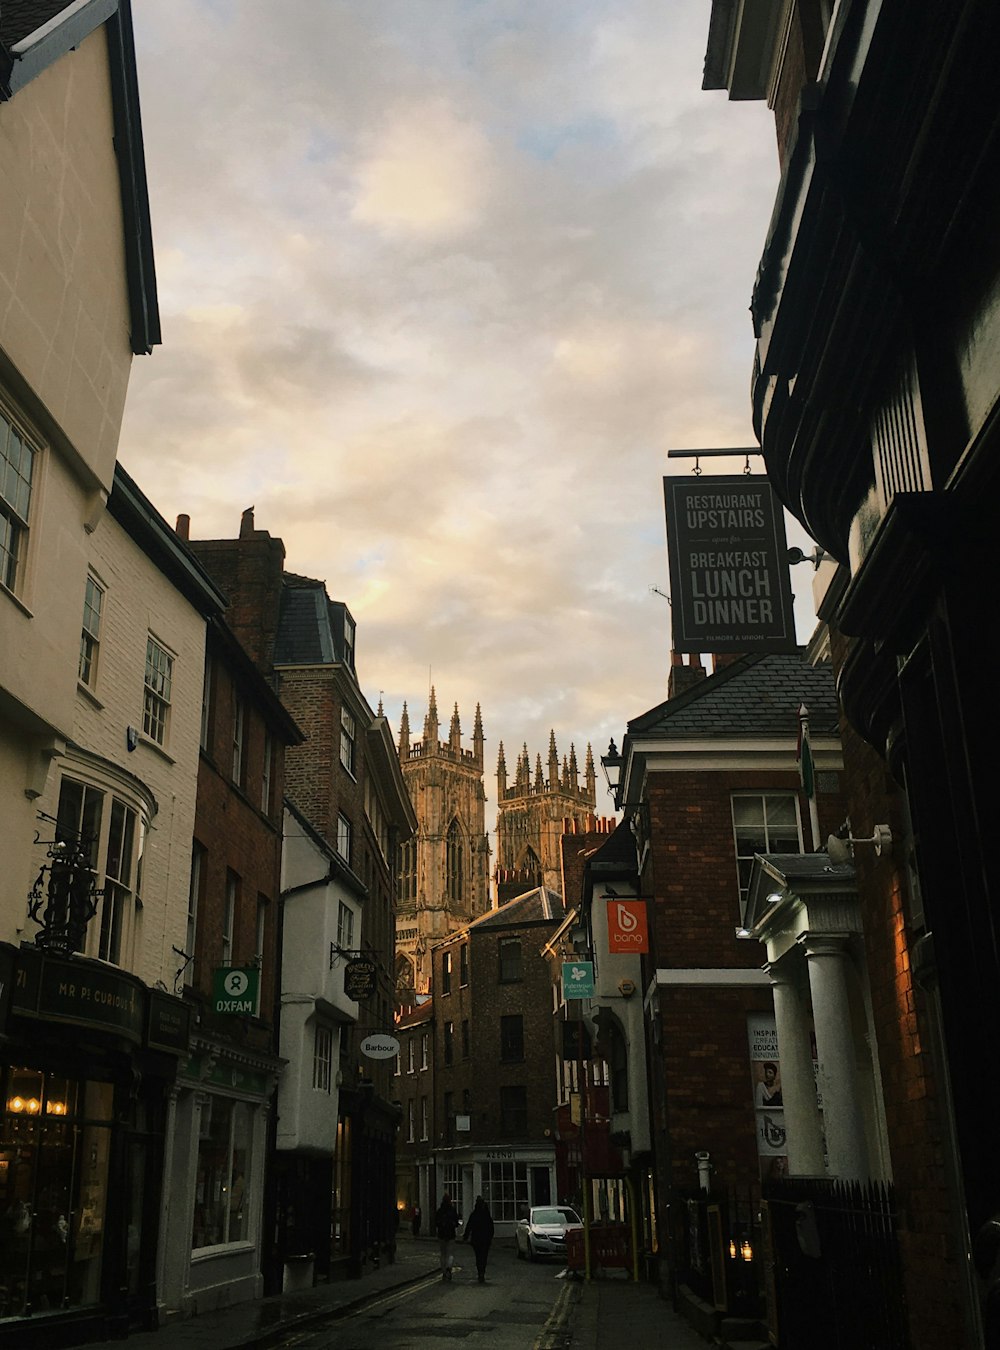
534, 812
444, 876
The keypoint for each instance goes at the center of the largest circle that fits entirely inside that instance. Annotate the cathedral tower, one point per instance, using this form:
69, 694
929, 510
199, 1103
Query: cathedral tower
532, 814
445, 869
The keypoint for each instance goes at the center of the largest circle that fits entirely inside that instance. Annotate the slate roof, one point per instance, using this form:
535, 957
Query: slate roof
304, 636
20, 18
538, 906
756, 696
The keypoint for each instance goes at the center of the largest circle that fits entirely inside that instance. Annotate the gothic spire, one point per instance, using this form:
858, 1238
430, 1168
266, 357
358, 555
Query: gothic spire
590, 775
501, 775
539, 779
455, 733
553, 762
477, 737
431, 725
404, 733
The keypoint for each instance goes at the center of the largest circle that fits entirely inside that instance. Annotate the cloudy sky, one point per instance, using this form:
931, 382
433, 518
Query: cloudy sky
441, 281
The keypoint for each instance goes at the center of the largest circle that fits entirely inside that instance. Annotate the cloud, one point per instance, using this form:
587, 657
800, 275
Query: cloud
440, 285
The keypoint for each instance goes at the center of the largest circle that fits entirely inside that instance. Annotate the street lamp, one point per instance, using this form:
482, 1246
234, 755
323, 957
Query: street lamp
612, 764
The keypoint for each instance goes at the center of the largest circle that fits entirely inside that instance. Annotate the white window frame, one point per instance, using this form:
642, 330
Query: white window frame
423, 1118
344, 833
15, 504
238, 765
744, 860
194, 895
157, 687
267, 773
323, 1058
112, 933
207, 690
90, 632
345, 927
348, 739
261, 934
229, 917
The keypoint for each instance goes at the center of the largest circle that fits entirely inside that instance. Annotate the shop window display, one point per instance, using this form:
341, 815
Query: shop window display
54, 1150
220, 1213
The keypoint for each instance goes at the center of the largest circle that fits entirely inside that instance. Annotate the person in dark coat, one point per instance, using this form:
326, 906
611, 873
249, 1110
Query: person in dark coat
479, 1234
446, 1223
416, 1220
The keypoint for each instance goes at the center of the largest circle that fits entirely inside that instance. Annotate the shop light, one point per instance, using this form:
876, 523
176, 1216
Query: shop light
16, 1104
746, 1251
732, 1249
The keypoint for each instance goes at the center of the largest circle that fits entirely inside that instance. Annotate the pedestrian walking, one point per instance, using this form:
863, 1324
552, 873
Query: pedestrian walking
479, 1234
446, 1223
416, 1220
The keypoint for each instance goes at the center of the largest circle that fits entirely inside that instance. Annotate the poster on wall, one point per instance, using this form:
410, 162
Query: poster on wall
765, 1078
728, 561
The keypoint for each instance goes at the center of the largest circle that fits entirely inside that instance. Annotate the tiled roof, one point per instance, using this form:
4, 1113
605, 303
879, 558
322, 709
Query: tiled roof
756, 696
20, 18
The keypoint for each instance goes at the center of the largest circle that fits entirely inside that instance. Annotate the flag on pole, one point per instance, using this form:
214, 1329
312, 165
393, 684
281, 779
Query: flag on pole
803, 753
807, 771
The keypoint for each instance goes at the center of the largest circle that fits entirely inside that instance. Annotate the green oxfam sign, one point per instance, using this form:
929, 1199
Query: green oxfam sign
235, 989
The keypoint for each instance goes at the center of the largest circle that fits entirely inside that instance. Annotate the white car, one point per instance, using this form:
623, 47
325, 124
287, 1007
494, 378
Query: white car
543, 1232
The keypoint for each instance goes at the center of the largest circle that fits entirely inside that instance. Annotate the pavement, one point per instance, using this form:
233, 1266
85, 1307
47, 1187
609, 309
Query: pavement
586, 1316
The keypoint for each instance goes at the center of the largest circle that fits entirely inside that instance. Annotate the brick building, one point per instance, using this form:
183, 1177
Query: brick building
413, 1090
874, 394
710, 778
345, 781
223, 1123
492, 1133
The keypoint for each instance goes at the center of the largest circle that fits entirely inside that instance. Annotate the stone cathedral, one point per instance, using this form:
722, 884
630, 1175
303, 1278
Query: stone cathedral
532, 816
444, 872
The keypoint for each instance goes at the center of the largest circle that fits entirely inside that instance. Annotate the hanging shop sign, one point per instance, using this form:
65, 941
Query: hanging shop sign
380, 1046
359, 978
728, 556
235, 989
628, 933
578, 979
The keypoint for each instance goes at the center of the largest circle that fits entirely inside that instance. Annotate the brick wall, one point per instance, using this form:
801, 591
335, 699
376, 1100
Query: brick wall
903, 1016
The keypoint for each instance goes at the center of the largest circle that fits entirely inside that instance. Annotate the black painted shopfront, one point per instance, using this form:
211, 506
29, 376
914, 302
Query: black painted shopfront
89, 1054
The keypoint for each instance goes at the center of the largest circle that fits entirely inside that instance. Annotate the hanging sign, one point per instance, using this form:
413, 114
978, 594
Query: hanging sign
359, 978
628, 933
235, 989
728, 557
578, 979
380, 1046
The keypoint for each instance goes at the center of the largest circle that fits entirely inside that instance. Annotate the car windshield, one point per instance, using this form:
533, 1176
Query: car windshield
554, 1216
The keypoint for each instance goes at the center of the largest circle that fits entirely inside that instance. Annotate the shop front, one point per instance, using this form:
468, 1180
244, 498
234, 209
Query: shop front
89, 1058
216, 1163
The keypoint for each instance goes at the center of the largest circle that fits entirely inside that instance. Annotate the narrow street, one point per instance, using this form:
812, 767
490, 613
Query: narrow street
520, 1305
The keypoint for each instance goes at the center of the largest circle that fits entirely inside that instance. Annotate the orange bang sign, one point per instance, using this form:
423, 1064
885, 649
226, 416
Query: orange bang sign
627, 931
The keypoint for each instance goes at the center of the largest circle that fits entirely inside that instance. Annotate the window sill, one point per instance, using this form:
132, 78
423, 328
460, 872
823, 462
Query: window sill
157, 749
16, 600
222, 1249
89, 695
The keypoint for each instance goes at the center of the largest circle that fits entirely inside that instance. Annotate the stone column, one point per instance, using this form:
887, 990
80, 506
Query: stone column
846, 1146
798, 1087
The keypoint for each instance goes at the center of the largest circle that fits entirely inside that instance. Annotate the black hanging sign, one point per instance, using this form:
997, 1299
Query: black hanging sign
728, 558
359, 978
